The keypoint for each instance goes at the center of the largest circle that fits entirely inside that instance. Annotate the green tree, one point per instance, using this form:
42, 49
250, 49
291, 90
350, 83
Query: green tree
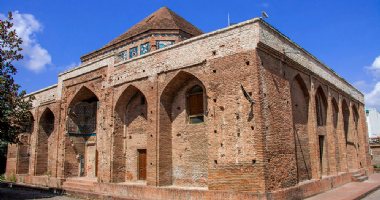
14, 105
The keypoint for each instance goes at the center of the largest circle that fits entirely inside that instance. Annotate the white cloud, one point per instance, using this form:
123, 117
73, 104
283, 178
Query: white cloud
372, 99
375, 67
36, 58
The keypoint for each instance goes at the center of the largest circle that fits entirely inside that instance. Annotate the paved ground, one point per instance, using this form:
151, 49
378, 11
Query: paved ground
24, 194
353, 190
373, 196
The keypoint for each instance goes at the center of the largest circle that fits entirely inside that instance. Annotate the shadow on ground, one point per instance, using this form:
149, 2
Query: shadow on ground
7, 193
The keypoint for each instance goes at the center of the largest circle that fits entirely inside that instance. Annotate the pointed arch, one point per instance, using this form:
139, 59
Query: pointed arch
46, 128
346, 118
300, 112
321, 116
82, 112
23, 157
130, 135
355, 116
29, 126
335, 119
83, 94
180, 80
175, 120
81, 155
335, 109
321, 107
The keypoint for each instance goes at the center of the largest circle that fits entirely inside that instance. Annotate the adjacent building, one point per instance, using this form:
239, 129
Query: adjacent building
165, 111
373, 122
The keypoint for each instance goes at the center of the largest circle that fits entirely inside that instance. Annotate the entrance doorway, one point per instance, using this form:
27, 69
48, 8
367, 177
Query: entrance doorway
141, 164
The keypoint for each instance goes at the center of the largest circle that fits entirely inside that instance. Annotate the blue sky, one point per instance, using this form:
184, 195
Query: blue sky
345, 35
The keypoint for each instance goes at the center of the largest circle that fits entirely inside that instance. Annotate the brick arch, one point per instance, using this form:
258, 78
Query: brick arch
335, 115
321, 117
83, 93
81, 126
300, 112
180, 80
353, 152
23, 149
46, 127
335, 120
346, 118
355, 115
321, 106
130, 134
350, 137
177, 166
30, 124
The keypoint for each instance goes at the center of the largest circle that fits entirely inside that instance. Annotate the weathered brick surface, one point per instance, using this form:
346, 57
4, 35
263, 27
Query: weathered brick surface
270, 146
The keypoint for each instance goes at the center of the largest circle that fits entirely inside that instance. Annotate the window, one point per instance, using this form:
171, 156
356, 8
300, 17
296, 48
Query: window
195, 105
123, 56
133, 52
164, 43
144, 48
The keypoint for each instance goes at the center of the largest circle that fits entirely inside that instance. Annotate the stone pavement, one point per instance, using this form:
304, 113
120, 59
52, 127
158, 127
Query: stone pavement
351, 191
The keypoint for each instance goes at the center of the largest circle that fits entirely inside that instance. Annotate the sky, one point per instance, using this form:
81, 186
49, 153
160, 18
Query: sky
343, 34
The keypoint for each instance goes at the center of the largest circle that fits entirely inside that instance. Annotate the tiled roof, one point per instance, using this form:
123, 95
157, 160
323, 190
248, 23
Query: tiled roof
162, 19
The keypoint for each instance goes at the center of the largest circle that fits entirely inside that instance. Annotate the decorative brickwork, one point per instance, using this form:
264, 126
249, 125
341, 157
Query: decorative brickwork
241, 109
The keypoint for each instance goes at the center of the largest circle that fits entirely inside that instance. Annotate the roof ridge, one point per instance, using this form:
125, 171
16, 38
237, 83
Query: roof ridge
175, 16
171, 13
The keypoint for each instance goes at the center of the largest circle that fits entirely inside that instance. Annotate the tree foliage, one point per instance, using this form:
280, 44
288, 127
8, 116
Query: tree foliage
14, 105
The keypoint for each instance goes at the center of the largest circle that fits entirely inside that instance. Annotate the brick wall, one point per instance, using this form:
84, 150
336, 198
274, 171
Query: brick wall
268, 145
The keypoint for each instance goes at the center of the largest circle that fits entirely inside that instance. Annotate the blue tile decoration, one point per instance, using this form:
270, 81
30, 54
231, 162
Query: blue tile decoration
133, 52
144, 48
164, 43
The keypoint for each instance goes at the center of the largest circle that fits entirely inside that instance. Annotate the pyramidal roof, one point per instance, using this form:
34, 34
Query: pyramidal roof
162, 19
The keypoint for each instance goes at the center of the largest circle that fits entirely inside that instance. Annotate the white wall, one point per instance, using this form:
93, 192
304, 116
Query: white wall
373, 122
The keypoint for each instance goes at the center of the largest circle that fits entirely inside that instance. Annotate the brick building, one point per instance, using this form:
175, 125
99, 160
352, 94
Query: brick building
165, 111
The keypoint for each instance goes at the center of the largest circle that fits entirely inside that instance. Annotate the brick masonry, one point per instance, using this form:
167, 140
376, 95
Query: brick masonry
268, 149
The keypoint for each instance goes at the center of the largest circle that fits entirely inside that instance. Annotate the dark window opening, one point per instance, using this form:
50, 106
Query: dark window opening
142, 100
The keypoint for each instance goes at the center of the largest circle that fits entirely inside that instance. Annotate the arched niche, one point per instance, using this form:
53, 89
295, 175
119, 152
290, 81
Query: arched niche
321, 116
81, 157
350, 138
321, 107
355, 135
23, 158
182, 122
335, 119
300, 111
130, 136
46, 128
346, 119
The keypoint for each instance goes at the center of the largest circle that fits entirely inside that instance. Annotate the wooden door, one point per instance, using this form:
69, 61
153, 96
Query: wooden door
142, 164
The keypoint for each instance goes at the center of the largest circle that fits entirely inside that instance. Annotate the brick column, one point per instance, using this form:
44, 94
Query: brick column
312, 131
341, 138
153, 99
330, 139
362, 137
